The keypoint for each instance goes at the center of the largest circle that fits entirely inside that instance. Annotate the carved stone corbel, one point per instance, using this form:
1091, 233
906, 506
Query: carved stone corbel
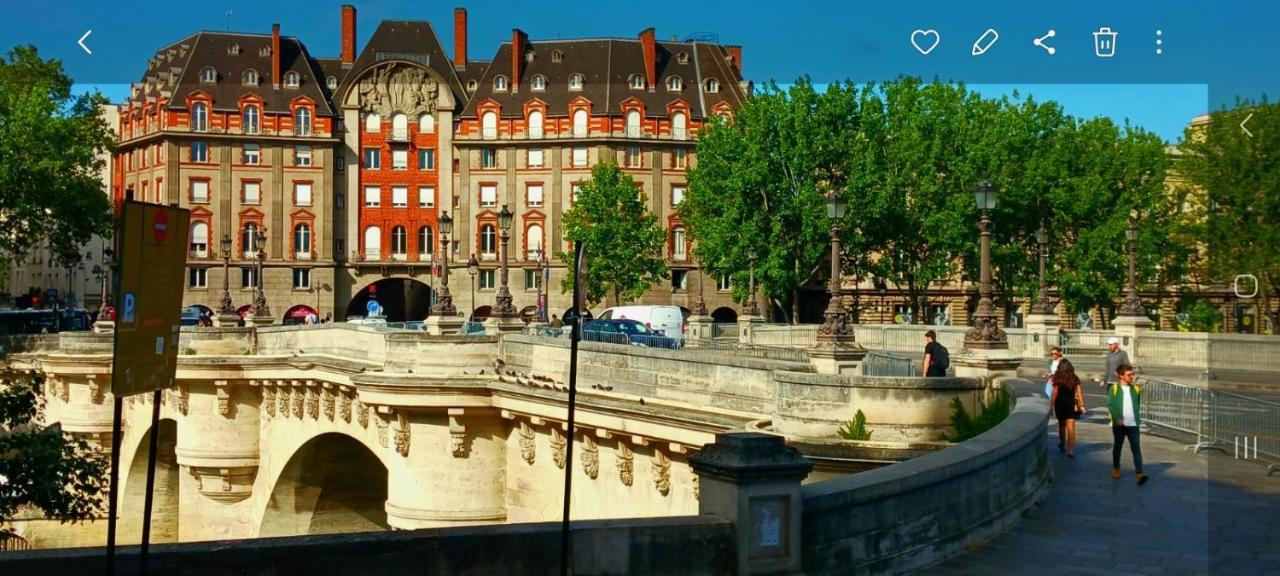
590, 457
558, 443
402, 434
661, 472
697, 487
362, 413
313, 402
381, 421
344, 405
299, 397
458, 444
180, 397
225, 484
282, 390
95, 390
626, 464
64, 391
268, 400
329, 402
224, 398
528, 447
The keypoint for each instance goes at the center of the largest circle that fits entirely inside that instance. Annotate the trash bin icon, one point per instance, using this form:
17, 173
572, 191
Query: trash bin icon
1104, 42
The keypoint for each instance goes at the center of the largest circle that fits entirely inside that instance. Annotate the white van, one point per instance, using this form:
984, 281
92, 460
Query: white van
667, 320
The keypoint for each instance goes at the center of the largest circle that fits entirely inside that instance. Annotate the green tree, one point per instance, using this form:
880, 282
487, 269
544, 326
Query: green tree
41, 466
51, 143
624, 240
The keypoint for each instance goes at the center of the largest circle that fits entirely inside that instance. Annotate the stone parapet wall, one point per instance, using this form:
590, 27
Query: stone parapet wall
1209, 352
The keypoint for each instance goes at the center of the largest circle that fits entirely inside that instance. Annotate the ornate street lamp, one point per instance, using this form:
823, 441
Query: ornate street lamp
835, 326
544, 291
473, 267
227, 307
986, 332
700, 305
750, 308
1132, 305
503, 307
444, 302
260, 308
1042, 296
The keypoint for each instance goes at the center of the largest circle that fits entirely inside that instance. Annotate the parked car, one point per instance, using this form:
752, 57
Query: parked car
626, 332
666, 320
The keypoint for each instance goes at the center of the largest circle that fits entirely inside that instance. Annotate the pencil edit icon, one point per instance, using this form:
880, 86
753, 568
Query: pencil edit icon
985, 42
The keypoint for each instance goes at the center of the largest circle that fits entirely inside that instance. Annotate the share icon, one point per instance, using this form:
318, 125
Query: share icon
1040, 42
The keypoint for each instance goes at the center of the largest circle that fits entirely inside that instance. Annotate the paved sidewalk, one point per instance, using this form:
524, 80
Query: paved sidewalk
1200, 514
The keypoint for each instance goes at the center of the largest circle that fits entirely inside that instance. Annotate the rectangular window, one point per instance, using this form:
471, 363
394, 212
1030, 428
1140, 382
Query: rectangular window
488, 158
677, 194
341, 162
199, 190
199, 151
535, 158
301, 278
197, 277
372, 196
399, 196
252, 154
573, 191
248, 277
579, 157
426, 159
531, 279
372, 159
400, 159
680, 158
426, 197
302, 194
486, 279
724, 283
631, 157
678, 278
340, 201
488, 196
535, 195
252, 192
302, 155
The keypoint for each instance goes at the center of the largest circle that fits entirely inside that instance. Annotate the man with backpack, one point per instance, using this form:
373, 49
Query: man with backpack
936, 357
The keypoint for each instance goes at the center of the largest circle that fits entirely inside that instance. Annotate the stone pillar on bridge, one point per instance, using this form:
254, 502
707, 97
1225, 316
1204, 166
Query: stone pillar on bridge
1042, 334
747, 324
1128, 328
700, 327
217, 452
437, 325
753, 480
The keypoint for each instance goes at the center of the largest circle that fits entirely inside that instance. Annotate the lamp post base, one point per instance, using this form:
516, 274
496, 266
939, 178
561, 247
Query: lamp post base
985, 363
226, 320
503, 324
259, 321
442, 325
836, 356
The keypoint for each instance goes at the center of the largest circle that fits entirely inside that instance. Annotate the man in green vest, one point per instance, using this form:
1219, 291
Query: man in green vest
1124, 403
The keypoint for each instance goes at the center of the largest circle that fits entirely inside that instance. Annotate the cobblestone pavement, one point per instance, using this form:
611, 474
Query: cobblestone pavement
1200, 514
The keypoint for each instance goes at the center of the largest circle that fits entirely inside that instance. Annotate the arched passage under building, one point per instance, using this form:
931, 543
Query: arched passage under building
164, 503
332, 484
401, 299
724, 315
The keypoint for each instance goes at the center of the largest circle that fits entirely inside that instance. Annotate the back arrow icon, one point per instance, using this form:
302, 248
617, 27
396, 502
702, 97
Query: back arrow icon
1246, 130
81, 42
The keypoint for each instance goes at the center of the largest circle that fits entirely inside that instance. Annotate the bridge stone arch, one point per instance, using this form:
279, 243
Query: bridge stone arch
165, 502
332, 483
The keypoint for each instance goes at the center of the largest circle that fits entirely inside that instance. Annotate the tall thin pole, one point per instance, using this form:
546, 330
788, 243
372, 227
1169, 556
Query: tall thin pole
114, 496
580, 253
154, 448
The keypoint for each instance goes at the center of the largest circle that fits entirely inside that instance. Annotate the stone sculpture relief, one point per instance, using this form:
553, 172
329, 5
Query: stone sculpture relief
590, 457
527, 445
392, 89
344, 407
558, 443
402, 434
626, 464
661, 472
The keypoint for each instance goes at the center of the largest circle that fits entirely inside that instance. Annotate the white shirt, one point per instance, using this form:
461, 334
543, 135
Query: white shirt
1128, 405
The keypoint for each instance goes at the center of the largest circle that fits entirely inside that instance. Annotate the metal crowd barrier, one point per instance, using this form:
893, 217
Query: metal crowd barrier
888, 365
1217, 420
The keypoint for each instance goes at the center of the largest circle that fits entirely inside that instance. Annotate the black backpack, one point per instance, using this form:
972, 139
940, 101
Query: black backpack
942, 358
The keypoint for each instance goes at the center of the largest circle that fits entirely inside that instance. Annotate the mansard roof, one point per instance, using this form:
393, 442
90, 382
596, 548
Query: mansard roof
406, 40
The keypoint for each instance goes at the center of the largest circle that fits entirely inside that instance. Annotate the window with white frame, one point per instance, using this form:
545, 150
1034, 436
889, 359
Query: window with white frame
198, 278
199, 117
574, 189
252, 154
301, 278
538, 83
302, 155
557, 56
679, 126
487, 279
200, 239
250, 77
682, 58
251, 119
488, 158
199, 191
500, 84
249, 240
680, 158
533, 241
535, 157
633, 124
426, 242
331, 82
426, 197
724, 283
488, 241
399, 159
302, 193
675, 84
248, 277
399, 196
631, 157
199, 151
488, 195
426, 159
637, 82
575, 82
677, 194
292, 79
302, 122
472, 85
579, 157
679, 249
372, 196
534, 195
372, 123
302, 241
489, 125
372, 158
372, 243
399, 126
712, 85
208, 75
426, 124
580, 129
535, 124
251, 192
399, 243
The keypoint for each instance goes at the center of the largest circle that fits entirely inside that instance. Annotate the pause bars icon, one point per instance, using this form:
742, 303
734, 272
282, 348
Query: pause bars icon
1245, 441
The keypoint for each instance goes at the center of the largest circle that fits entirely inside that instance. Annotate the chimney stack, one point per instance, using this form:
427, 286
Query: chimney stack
275, 56
518, 40
348, 34
459, 37
735, 52
650, 48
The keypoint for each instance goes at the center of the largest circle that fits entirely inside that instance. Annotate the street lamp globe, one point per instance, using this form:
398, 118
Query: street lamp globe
504, 219
985, 195
446, 224
836, 205
1131, 232
473, 265
1042, 236
226, 245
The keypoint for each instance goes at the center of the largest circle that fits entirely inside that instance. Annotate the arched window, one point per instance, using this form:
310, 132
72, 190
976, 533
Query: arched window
557, 56
426, 242
675, 84
233, 49
538, 83
302, 122
580, 123
426, 124
200, 239
679, 247
372, 123
500, 84
331, 82
488, 241
575, 82
302, 241
199, 117
251, 119
633, 123
682, 58
472, 85
535, 124
249, 240
489, 125
291, 79
399, 126
712, 85
372, 243
679, 126
208, 75
533, 241
636, 81
250, 77
399, 243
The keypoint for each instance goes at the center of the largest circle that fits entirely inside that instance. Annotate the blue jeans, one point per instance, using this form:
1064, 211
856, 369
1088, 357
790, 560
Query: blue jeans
1120, 433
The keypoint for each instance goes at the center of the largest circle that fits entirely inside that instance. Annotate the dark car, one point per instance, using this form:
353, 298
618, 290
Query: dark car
626, 332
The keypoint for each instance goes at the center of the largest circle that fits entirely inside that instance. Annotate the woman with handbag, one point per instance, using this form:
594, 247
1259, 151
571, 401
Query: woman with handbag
1067, 404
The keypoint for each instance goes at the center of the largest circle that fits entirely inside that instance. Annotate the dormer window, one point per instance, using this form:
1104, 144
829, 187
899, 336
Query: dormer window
557, 56
675, 84
682, 58
472, 85
636, 81
538, 83
712, 85
331, 82
208, 75
500, 84
233, 49
264, 51
292, 79
575, 82
250, 78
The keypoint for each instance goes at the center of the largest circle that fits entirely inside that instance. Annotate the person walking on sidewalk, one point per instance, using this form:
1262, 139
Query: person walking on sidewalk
1055, 356
1124, 403
1115, 357
1068, 405
936, 357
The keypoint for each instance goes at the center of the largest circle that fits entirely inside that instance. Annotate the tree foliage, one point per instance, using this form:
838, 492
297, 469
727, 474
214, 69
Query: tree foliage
624, 240
40, 465
51, 143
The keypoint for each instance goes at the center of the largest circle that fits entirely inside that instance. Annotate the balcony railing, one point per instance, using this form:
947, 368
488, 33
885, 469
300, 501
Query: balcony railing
398, 135
494, 135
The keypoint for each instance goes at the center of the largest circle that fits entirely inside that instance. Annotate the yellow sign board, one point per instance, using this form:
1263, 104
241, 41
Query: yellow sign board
152, 253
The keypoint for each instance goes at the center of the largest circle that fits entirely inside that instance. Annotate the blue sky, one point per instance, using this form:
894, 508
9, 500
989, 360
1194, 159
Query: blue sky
1212, 51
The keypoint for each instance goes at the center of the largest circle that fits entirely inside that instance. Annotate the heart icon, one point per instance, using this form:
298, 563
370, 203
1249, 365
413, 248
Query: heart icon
925, 40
